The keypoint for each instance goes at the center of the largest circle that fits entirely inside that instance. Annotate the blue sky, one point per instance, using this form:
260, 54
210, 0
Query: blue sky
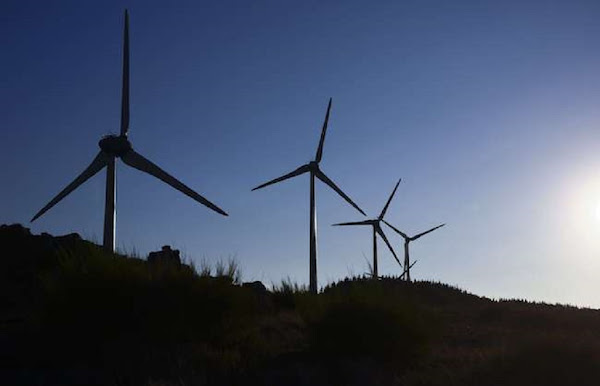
488, 111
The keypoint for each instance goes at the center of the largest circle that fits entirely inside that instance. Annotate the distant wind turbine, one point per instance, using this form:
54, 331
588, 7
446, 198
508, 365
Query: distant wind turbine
407, 270
314, 170
407, 240
113, 147
376, 224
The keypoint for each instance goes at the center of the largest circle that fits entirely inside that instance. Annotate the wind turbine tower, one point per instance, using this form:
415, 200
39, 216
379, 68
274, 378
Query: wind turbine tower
119, 146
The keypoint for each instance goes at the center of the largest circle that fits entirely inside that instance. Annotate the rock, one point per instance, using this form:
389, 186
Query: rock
257, 286
166, 255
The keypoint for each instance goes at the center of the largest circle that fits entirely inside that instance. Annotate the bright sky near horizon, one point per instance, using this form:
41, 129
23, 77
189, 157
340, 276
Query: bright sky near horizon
488, 111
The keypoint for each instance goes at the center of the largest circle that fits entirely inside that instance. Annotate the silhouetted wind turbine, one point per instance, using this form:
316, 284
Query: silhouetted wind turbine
407, 240
113, 147
376, 224
314, 170
406, 270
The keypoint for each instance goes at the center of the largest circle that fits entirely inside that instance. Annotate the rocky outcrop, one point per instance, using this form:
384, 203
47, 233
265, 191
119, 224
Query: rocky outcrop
256, 286
165, 256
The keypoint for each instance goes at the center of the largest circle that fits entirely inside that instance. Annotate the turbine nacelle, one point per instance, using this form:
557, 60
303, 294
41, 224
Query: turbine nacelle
115, 145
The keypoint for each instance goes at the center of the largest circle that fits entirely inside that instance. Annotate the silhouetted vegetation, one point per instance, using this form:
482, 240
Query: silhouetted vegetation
71, 314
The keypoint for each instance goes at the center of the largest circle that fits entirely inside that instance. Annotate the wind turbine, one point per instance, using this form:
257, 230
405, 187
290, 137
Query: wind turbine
118, 146
376, 224
407, 240
407, 270
313, 168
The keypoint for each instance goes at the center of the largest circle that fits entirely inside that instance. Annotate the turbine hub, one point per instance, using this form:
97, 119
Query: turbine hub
116, 145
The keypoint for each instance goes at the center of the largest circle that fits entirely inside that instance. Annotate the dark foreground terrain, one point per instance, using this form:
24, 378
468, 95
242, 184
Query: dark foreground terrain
72, 315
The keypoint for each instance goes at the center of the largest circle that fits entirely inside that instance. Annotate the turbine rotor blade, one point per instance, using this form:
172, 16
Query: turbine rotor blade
137, 161
97, 164
323, 132
301, 170
404, 235
387, 204
366, 222
125, 89
320, 175
414, 262
380, 233
428, 231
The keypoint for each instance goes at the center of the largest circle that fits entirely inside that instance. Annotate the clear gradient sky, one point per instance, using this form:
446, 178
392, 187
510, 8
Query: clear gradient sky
488, 111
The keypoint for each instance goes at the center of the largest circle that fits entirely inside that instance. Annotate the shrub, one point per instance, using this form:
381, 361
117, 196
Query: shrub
287, 294
369, 329
95, 303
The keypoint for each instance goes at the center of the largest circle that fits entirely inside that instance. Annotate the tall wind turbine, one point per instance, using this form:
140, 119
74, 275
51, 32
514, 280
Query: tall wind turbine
314, 170
113, 147
407, 240
376, 224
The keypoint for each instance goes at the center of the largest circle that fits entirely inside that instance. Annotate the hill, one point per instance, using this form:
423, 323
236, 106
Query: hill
70, 314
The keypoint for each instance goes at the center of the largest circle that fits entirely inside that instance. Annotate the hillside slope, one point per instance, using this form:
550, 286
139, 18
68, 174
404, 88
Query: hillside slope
70, 314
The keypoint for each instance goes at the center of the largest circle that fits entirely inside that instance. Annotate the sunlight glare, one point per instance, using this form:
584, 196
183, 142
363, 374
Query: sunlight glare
580, 220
